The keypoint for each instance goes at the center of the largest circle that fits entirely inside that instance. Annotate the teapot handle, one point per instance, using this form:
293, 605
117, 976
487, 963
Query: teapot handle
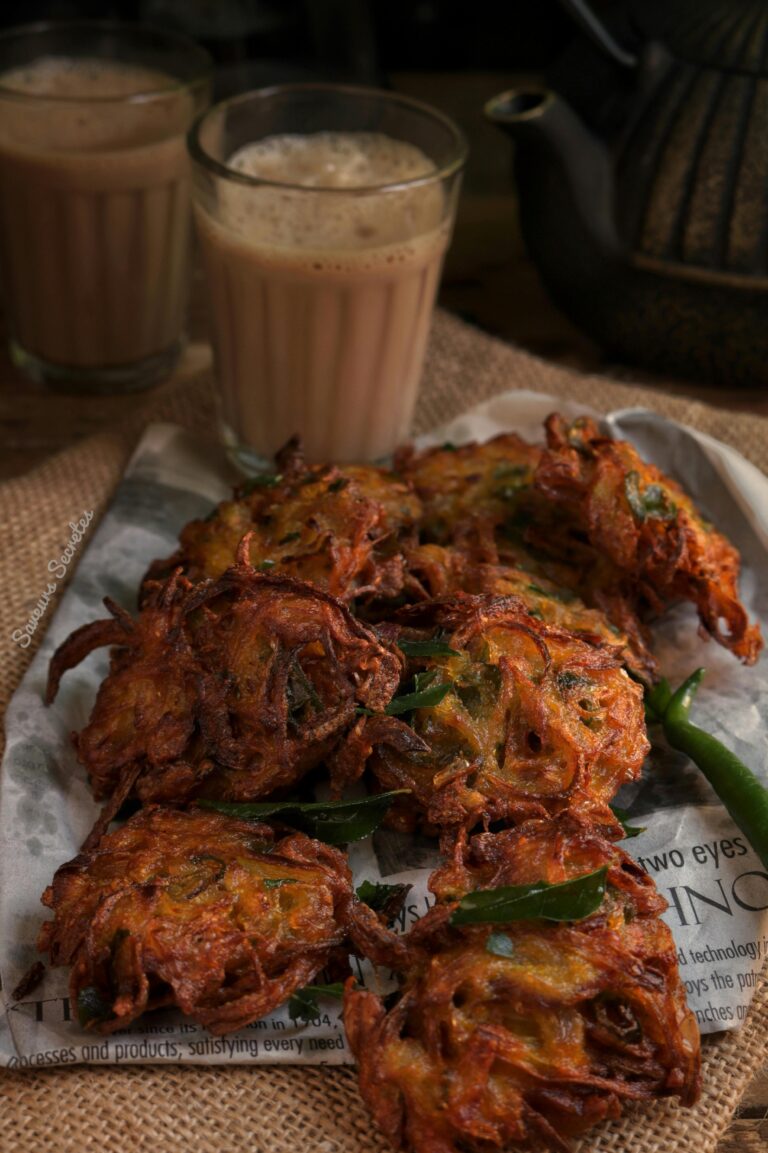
583, 15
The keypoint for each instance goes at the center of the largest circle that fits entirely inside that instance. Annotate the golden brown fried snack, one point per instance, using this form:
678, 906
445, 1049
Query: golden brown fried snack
646, 526
337, 527
534, 721
286, 668
529, 1032
214, 915
483, 483
235, 689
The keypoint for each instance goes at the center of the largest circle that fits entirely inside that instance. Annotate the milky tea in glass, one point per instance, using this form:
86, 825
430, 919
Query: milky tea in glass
323, 215
94, 199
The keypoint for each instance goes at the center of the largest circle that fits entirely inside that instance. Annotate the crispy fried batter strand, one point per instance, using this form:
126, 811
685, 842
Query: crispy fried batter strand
527, 1032
213, 915
232, 691
534, 721
646, 526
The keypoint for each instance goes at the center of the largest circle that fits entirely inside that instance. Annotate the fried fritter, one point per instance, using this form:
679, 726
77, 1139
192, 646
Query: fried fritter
645, 525
480, 482
529, 1032
534, 720
234, 689
219, 917
338, 527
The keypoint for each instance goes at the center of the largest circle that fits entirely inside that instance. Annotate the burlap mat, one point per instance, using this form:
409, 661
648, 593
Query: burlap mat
282, 1110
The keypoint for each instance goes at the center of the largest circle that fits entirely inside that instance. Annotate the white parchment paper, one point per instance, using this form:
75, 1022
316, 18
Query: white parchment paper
716, 886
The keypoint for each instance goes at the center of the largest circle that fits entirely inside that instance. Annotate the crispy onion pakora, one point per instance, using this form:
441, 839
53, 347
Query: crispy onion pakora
526, 1032
338, 527
220, 917
472, 482
530, 721
235, 689
601, 490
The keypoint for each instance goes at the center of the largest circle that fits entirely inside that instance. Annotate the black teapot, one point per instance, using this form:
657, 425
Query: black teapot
647, 210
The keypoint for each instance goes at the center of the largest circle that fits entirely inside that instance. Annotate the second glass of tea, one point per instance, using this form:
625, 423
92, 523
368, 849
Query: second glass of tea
323, 213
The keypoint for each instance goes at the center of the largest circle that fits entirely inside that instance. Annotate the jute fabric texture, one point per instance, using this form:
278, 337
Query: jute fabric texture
169, 1109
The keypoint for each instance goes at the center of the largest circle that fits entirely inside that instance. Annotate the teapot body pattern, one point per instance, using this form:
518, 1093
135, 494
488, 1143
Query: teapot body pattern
653, 234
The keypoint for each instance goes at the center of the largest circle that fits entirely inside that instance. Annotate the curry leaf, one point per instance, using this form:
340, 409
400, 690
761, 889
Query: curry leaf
260, 480
278, 882
335, 822
653, 501
92, 1007
422, 699
385, 899
303, 1004
565, 901
621, 816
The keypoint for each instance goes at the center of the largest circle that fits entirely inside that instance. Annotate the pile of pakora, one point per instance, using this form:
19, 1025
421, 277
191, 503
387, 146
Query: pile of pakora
470, 630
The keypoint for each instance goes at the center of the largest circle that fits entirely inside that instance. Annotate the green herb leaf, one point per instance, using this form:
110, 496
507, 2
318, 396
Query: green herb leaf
517, 471
500, 945
570, 680
278, 882
303, 1005
92, 1007
432, 648
622, 816
566, 901
564, 596
266, 565
654, 501
658, 503
386, 899
335, 822
289, 538
422, 699
301, 693
260, 480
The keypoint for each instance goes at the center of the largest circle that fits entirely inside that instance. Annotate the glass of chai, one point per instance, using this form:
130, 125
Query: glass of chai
95, 199
323, 214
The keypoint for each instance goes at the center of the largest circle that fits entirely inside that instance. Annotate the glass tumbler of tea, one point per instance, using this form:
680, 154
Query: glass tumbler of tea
323, 214
95, 199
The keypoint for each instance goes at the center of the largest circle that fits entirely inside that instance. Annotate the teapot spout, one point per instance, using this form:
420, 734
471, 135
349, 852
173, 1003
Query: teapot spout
564, 173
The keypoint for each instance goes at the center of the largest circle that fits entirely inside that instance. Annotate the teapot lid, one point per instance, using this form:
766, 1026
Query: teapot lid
730, 35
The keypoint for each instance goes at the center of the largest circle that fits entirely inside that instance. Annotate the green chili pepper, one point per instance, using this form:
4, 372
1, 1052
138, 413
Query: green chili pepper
734, 782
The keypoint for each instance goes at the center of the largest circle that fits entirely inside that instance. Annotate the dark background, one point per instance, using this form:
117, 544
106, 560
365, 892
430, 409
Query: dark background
256, 41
